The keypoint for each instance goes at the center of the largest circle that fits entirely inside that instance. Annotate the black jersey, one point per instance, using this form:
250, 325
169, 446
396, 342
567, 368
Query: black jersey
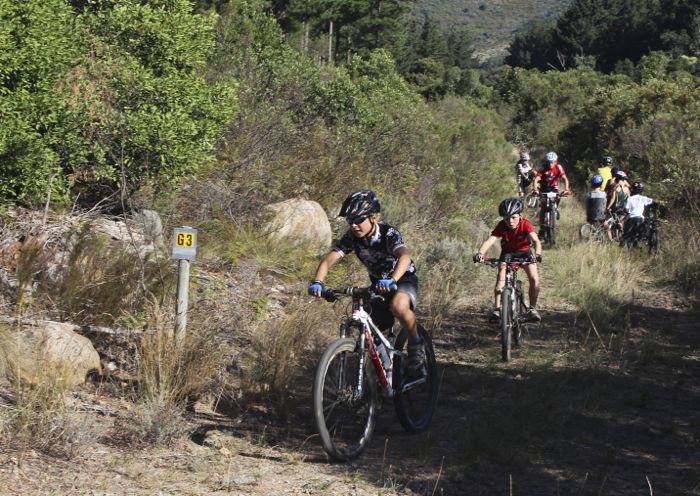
375, 251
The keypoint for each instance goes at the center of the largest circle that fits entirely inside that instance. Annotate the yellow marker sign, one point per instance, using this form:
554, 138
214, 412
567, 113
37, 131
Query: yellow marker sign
184, 243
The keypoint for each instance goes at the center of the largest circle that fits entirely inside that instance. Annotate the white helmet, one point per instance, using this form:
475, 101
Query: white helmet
551, 157
524, 156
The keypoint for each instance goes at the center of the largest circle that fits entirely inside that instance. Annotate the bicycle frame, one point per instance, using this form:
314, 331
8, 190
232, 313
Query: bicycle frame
362, 320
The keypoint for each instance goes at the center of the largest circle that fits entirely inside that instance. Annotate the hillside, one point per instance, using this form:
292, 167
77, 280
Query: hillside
492, 23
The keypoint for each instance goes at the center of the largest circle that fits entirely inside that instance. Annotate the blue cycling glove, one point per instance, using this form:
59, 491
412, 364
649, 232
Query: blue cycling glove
315, 287
386, 283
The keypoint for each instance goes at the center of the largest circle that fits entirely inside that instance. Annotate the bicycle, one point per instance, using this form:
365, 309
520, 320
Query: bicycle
513, 308
532, 200
548, 203
651, 233
598, 231
353, 371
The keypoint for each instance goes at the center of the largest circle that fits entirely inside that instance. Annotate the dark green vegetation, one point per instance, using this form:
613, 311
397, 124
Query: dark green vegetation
491, 22
609, 34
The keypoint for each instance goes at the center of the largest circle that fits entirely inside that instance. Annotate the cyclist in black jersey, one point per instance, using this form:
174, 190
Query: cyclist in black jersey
381, 248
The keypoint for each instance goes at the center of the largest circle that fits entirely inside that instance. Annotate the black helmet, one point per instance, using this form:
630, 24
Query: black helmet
605, 159
510, 206
637, 188
360, 204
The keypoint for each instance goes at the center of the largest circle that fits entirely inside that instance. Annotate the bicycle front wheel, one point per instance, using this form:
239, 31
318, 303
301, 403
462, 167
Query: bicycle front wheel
553, 225
415, 398
506, 323
344, 412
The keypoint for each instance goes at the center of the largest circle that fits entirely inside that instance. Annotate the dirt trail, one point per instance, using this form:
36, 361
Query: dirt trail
615, 422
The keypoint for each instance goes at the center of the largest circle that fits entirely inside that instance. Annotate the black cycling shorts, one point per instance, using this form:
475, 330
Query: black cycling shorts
381, 315
514, 254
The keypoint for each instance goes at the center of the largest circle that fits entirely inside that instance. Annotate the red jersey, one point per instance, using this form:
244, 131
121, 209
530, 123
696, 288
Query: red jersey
549, 177
517, 239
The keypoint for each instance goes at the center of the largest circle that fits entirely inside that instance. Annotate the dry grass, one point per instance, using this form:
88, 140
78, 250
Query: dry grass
40, 417
281, 349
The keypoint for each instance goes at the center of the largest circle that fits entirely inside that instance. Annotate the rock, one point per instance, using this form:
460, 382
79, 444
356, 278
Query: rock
300, 221
152, 227
46, 350
239, 480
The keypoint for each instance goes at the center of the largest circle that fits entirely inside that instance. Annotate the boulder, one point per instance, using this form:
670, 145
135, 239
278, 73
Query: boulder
300, 221
46, 350
152, 227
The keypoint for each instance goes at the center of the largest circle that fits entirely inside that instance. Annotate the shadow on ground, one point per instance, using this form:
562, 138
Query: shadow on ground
536, 425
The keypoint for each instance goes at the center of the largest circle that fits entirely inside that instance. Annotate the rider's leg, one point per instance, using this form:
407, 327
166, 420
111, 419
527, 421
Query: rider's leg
534, 280
401, 309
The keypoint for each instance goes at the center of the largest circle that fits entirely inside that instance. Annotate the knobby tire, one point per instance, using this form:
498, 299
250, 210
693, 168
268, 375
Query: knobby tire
553, 224
343, 420
506, 324
415, 407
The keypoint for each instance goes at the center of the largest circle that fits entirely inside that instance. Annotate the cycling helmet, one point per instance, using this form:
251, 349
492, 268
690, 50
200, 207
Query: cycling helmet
606, 160
510, 206
551, 157
615, 170
620, 174
524, 156
596, 180
359, 204
637, 188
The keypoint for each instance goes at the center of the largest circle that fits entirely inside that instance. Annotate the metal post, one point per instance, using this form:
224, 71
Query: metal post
183, 284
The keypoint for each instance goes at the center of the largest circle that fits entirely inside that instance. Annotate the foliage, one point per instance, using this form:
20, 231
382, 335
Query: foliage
106, 98
39, 42
609, 31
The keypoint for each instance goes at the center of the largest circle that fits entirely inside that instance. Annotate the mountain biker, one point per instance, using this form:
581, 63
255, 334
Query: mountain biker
523, 173
547, 180
596, 203
618, 192
517, 235
381, 248
605, 170
634, 208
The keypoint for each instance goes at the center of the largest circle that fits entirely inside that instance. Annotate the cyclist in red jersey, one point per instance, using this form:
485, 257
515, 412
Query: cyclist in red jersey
547, 179
517, 235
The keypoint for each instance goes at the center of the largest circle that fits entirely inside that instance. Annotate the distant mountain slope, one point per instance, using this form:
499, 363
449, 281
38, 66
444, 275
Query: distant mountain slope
492, 23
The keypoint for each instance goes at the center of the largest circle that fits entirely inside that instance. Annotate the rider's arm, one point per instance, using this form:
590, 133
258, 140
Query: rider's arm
536, 184
487, 244
566, 182
536, 242
402, 264
328, 261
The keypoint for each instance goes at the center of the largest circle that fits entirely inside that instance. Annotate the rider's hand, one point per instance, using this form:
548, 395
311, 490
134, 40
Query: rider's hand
316, 288
478, 258
386, 285
538, 258
567, 192
536, 192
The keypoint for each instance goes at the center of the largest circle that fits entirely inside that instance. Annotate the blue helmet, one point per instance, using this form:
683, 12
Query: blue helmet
596, 180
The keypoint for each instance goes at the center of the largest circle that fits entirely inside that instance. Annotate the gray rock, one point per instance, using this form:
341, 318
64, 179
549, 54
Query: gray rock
300, 221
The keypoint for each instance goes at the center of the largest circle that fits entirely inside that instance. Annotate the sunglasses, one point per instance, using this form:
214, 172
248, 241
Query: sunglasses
356, 220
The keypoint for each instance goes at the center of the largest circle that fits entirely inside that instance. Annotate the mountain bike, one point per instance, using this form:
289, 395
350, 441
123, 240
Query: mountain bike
532, 200
598, 231
357, 367
513, 308
651, 231
548, 204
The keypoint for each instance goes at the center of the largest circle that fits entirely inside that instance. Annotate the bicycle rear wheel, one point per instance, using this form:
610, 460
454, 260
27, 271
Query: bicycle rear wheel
344, 416
653, 240
586, 232
415, 398
506, 323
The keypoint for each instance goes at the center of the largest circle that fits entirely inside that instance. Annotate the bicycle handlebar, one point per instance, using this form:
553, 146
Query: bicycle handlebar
330, 294
520, 261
